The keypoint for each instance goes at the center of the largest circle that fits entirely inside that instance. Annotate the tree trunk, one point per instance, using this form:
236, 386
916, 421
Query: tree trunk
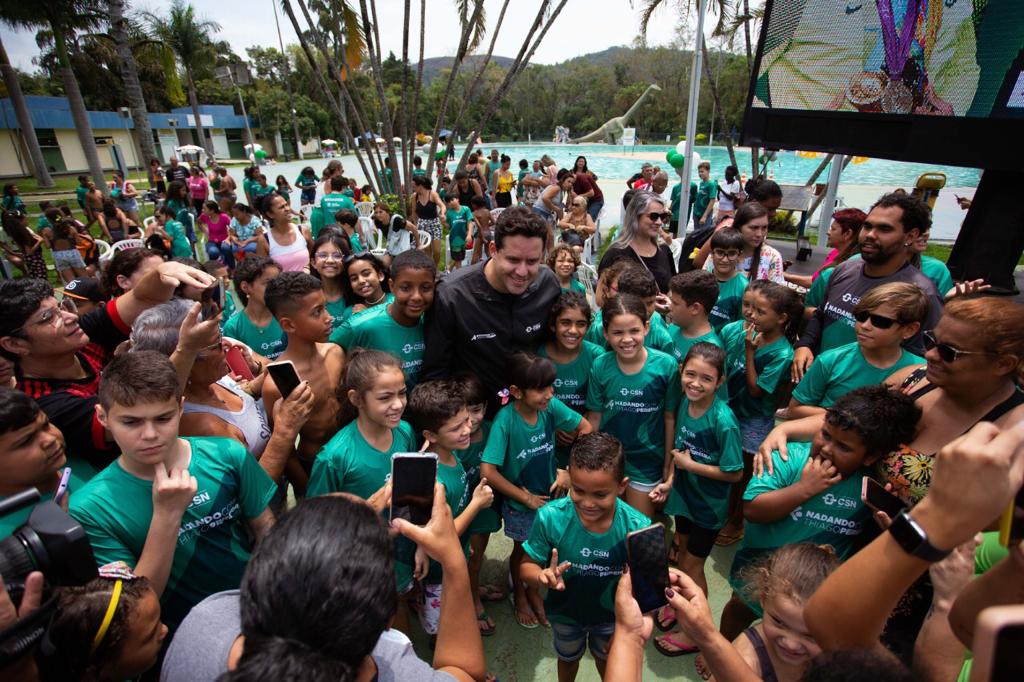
28, 133
409, 136
132, 87
713, 86
79, 113
194, 101
419, 83
373, 49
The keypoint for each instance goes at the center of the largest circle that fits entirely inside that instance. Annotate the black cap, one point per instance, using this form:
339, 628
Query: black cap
85, 289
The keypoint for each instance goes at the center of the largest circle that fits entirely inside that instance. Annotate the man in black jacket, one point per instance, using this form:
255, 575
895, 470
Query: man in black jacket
484, 313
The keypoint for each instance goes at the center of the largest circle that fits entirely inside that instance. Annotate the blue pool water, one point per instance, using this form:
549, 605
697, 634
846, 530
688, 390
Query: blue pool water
788, 168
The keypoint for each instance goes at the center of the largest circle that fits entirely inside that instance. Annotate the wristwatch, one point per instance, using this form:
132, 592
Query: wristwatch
913, 538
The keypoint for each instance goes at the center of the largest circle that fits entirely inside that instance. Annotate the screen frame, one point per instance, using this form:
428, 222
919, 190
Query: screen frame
991, 143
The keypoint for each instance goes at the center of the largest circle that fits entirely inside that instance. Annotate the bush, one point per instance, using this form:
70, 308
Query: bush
784, 222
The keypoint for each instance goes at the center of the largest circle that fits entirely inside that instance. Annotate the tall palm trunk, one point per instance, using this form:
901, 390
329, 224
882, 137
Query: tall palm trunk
715, 95
28, 133
78, 111
194, 101
132, 87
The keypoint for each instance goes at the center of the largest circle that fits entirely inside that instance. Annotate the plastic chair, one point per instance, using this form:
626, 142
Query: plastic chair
676, 247
364, 209
928, 186
121, 246
104, 248
587, 274
425, 240
601, 215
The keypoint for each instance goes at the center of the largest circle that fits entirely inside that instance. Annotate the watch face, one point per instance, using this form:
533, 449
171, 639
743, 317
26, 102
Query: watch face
907, 533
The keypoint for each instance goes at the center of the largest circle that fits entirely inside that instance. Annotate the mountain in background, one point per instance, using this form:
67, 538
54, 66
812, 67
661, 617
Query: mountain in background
433, 66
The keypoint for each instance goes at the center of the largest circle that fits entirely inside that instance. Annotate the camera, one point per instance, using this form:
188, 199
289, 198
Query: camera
49, 541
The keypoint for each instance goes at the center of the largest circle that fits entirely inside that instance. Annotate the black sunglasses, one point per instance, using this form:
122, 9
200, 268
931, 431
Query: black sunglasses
663, 217
947, 352
362, 255
877, 321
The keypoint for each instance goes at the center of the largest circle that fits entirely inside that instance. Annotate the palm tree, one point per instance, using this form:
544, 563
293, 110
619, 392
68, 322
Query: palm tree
28, 133
190, 40
130, 75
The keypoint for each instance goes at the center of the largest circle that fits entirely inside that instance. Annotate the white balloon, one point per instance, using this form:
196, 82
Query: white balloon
681, 147
693, 167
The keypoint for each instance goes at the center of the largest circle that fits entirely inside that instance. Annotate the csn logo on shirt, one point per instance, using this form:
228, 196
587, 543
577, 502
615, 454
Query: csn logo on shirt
586, 553
840, 501
631, 391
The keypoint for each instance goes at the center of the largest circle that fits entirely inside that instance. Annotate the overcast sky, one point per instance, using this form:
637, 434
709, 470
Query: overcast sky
583, 26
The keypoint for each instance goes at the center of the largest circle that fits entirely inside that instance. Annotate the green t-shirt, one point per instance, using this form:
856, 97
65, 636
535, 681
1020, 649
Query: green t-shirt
729, 306
458, 226
180, 248
596, 560
42, 223
332, 203
657, 337
936, 271
80, 193
712, 439
257, 190
676, 198
247, 187
771, 363
376, 329
681, 343
524, 454
488, 520
836, 372
340, 311
575, 285
834, 517
269, 341
213, 546
348, 464
571, 385
456, 493
633, 408
81, 473
816, 294
707, 191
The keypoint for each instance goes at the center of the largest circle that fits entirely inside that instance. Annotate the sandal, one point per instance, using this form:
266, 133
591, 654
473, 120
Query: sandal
515, 614
726, 539
485, 624
678, 648
665, 618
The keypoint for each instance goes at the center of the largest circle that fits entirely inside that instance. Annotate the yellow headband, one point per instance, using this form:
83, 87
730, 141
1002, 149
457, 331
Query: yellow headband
115, 597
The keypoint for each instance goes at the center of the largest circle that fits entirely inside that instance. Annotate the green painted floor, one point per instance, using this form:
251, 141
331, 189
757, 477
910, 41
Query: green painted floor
515, 654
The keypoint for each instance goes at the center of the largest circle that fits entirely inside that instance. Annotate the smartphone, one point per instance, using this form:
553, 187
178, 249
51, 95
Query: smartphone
236, 361
62, 487
647, 557
874, 495
412, 486
998, 642
1011, 524
285, 377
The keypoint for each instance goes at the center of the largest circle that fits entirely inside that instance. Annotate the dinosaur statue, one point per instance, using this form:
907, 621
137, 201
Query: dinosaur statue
611, 131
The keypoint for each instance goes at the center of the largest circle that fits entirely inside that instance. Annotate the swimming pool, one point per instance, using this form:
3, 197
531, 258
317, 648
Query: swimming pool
788, 168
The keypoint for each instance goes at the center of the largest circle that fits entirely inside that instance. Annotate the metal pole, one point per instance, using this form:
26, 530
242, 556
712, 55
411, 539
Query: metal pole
248, 129
691, 116
828, 204
288, 85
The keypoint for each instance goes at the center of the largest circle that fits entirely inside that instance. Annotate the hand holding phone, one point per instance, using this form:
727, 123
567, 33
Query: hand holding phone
648, 566
236, 361
998, 642
875, 496
285, 377
62, 486
412, 486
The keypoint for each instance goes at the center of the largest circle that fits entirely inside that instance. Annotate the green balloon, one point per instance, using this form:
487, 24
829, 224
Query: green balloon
260, 154
440, 155
669, 154
677, 160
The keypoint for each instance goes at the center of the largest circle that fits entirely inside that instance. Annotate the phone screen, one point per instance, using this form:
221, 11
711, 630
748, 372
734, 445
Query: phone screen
648, 566
412, 486
1008, 663
878, 498
285, 377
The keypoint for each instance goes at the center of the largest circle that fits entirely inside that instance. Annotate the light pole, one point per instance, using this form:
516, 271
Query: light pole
236, 76
691, 109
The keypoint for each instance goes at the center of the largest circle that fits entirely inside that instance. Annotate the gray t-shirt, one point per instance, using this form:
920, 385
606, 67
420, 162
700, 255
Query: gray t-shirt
199, 650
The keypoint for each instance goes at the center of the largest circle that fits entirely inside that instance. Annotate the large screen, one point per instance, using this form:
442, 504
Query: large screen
923, 80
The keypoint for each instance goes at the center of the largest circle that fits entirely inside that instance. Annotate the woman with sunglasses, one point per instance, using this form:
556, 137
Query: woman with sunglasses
637, 240
576, 225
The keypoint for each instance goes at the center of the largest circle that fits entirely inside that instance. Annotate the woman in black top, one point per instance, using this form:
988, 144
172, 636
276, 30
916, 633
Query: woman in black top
637, 239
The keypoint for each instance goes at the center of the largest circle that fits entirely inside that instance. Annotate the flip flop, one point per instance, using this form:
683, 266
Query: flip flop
665, 618
489, 627
515, 614
726, 539
490, 593
680, 649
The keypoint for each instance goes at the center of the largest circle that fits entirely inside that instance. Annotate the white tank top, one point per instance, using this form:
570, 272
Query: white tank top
293, 257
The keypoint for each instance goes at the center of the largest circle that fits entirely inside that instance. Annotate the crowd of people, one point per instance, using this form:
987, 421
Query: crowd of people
237, 525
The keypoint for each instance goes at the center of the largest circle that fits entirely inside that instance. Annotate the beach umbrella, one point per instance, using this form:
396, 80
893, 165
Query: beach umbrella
444, 132
189, 149
329, 143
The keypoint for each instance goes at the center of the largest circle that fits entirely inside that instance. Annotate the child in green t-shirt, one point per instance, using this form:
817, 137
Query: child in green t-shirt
460, 229
173, 231
327, 261
184, 512
636, 280
306, 182
706, 194
519, 462
633, 394
693, 295
726, 248
437, 410
254, 325
577, 550
563, 261
397, 327
815, 495
335, 200
348, 221
758, 355
886, 317
707, 458
573, 356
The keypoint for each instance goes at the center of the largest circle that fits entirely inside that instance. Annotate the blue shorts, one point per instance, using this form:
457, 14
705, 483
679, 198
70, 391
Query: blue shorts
754, 430
517, 523
571, 640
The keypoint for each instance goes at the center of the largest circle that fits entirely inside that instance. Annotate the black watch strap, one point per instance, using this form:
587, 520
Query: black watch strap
909, 534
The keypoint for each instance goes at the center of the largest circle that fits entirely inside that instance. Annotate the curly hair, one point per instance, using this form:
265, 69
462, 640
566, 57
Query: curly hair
882, 417
794, 571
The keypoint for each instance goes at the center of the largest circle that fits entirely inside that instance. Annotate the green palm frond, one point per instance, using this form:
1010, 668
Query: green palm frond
465, 9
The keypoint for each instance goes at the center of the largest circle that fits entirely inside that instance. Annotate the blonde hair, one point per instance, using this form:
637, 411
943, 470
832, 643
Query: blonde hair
793, 571
909, 302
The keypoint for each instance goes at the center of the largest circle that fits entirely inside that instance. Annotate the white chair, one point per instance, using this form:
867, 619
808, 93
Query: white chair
588, 249
495, 212
601, 215
676, 247
121, 246
366, 228
104, 249
364, 209
425, 240
149, 222
587, 274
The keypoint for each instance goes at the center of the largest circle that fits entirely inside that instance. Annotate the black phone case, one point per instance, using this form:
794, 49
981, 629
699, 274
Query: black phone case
648, 568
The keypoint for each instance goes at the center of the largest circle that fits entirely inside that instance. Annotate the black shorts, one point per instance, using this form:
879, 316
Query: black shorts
572, 238
503, 199
459, 256
699, 541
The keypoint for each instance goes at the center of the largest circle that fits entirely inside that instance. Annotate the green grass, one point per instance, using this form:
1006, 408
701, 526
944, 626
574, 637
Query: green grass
65, 184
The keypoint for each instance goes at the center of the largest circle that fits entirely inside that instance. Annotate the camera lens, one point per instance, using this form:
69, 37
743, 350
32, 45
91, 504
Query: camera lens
51, 542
